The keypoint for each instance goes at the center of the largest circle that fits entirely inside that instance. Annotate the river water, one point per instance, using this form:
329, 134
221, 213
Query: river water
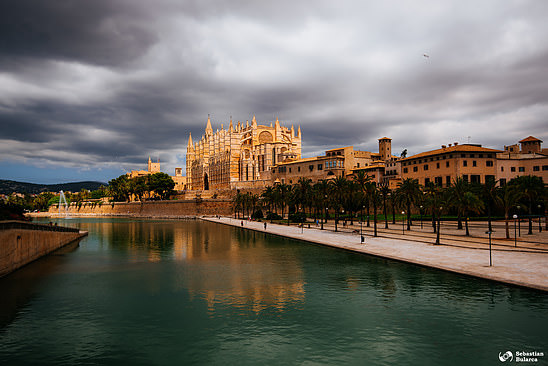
141, 292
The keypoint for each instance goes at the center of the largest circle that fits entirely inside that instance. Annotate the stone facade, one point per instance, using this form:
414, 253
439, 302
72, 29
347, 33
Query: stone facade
530, 159
473, 162
239, 156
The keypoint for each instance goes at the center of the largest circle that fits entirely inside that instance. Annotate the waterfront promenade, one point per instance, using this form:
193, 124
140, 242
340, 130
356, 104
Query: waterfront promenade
525, 266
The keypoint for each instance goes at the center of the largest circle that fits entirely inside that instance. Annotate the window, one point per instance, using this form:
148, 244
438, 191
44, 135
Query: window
425, 166
480, 155
501, 168
474, 178
544, 168
474, 163
472, 156
464, 163
438, 181
448, 180
489, 178
437, 165
462, 155
447, 164
358, 165
298, 168
465, 177
290, 169
311, 167
489, 163
405, 170
290, 181
513, 169
415, 169
426, 181
502, 181
536, 168
521, 169
320, 166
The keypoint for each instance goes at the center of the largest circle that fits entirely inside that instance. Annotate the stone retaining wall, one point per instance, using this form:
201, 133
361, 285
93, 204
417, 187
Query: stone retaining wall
181, 208
19, 247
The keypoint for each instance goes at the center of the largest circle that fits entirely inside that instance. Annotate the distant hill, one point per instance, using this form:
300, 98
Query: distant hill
10, 186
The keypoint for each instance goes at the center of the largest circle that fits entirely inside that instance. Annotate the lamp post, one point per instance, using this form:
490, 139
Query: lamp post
439, 225
361, 225
301, 218
539, 225
490, 260
403, 223
420, 210
515, 233
519, 222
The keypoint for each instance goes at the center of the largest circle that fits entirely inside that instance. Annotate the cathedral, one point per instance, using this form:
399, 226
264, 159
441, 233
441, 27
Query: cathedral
241, 156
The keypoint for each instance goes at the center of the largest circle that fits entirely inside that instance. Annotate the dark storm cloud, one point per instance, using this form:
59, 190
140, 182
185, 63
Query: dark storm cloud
101, 32
109, 83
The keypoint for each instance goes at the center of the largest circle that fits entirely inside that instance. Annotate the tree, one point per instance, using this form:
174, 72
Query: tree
363, 181
471, 203
507, 197
119, 188
338, 190
162, 184
385, 193
409, 193
533, 190
139, 187
458, 190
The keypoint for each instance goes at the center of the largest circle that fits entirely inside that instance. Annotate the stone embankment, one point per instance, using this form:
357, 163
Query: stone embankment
518, 267
22, 242
154, 209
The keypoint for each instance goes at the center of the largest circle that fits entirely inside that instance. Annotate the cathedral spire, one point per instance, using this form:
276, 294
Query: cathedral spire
208, 130
299, 131
230, 128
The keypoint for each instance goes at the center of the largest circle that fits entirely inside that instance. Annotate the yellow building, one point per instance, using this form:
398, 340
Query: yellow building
240, 157
153, 168
337, 162
530, 159
473, 162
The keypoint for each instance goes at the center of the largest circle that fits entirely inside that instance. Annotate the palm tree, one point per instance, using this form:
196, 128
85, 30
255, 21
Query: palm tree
338, 190
532, 189
322, 192
375, 199
471, 203
507, 197
385, 192
283, 191
433, 194
302, 191
268, 197
458, 190
488, 193
363, 181
409, 193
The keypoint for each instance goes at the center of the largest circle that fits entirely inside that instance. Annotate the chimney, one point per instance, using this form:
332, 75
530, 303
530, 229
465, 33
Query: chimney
449, 145
443, 146
455, 143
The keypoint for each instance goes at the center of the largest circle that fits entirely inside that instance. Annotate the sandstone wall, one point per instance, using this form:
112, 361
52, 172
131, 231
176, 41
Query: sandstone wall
166, 209
19, 247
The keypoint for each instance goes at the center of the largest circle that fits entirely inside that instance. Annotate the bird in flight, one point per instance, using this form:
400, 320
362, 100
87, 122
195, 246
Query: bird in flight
425, 55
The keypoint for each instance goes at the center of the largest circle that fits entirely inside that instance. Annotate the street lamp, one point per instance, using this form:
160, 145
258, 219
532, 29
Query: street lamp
403, 223
519, 222
490, 260
302, 219
539, 226
420, 210
515, 233
361, 225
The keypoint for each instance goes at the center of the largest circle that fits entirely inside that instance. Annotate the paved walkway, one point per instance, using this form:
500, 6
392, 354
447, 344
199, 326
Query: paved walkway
518, 266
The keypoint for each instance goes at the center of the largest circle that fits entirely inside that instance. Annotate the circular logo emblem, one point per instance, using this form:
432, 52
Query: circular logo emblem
503, 357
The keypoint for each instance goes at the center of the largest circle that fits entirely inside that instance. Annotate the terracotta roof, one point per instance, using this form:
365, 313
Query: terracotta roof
530, 139
385, 138
453, 149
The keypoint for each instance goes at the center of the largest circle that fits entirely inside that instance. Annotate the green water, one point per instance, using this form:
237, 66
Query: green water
197, 293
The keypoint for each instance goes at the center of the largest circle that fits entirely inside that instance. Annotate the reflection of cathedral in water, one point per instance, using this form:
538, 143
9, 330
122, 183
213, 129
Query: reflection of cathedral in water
245, 274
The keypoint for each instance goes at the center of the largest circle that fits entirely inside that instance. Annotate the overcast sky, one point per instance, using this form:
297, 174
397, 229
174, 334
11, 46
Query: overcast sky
90, 89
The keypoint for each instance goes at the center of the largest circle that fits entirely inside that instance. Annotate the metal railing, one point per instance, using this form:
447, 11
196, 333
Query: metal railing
10, 225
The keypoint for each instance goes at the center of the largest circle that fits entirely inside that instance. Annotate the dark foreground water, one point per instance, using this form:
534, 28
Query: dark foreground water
190, 292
